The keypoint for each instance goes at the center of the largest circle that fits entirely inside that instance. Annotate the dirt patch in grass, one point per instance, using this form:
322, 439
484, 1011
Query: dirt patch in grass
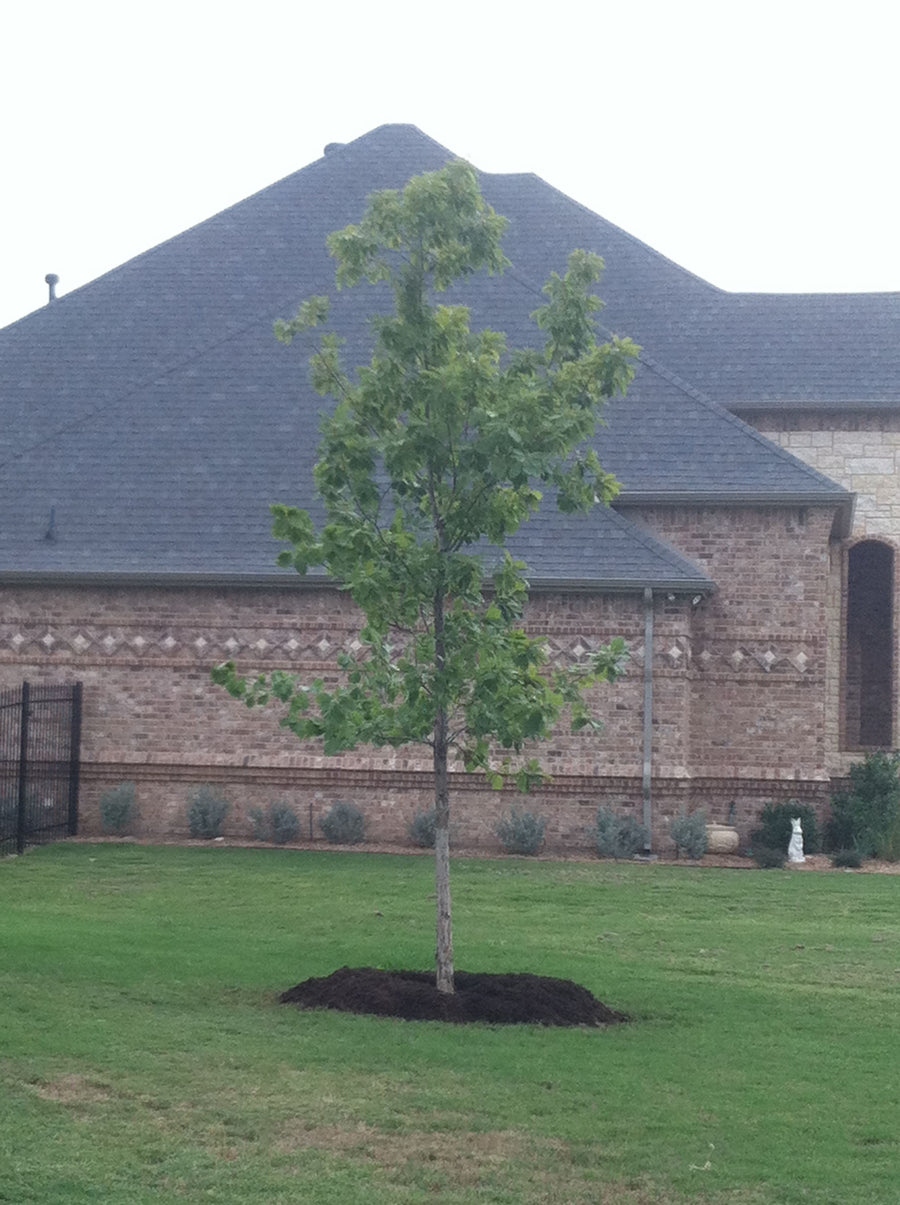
529, 1167
72, 1090
496, 999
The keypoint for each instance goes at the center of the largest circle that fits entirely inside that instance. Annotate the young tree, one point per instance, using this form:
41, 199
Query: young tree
437, 451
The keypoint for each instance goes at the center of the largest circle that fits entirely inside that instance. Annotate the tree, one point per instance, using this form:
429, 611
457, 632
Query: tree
437, 451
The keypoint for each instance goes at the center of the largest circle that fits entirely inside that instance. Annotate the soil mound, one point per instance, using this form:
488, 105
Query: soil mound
412, 996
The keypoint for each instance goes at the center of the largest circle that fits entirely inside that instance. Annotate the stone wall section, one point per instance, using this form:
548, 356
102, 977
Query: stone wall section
859, 451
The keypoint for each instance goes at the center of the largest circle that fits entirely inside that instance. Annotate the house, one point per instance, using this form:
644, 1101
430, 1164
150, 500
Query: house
150, 418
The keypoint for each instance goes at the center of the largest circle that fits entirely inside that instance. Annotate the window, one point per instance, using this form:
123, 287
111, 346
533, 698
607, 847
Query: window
869, 669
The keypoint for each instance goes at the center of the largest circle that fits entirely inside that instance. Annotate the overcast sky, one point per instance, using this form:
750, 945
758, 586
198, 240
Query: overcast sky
753, 142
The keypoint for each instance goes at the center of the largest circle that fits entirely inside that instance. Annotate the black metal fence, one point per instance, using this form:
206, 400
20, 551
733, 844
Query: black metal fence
40, 739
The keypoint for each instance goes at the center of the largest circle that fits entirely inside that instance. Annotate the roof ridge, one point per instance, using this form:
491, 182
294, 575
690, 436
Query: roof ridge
156, 248
631, 238
703, 399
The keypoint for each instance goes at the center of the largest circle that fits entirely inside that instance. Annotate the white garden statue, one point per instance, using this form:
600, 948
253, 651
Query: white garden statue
795, 848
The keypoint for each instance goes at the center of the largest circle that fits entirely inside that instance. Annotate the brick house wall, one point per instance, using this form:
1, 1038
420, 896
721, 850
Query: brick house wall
862, 452
739, 690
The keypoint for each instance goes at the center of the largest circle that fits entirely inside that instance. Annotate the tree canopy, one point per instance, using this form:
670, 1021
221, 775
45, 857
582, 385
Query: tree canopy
434, 454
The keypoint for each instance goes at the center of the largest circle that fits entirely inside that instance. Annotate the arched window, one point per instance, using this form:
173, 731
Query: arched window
869, 671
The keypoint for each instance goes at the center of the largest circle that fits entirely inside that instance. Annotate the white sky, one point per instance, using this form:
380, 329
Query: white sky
752, 141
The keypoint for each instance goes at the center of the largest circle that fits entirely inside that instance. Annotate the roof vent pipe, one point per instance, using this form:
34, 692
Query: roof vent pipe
52, 280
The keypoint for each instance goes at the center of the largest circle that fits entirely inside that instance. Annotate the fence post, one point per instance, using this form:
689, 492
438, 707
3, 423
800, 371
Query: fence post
23, 769
75, 762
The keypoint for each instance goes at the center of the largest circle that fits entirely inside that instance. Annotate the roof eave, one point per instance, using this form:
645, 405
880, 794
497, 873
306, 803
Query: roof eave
840, 497
46, 577
295, 581
785, 405
700, 585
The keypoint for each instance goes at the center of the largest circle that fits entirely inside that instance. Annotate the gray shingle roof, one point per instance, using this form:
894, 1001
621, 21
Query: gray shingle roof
745, 350
155, 417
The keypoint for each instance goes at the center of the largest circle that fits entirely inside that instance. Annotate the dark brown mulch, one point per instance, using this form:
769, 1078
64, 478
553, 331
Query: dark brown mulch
412, 996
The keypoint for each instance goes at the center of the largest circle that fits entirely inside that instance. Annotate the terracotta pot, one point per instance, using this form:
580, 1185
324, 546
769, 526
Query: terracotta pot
722, 839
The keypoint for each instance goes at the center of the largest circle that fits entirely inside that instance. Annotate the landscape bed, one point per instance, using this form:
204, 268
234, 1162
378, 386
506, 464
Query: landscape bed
146, 1057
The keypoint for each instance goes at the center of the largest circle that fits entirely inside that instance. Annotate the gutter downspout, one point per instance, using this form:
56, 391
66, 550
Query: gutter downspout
648, 717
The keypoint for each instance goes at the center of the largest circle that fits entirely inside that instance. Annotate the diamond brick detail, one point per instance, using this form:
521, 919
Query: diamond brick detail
139, 643
800, 661
675, 654
705, 657
17, 641
292, 645
261, 645
109, 643
737, 658
168, 644
81, 643
200, 644
767, 660
323, 645
48, 641
232, 645
578, 650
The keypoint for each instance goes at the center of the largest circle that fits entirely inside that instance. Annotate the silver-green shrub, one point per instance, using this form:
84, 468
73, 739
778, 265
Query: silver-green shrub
284, 823
260, 822
619, 836
344, 824
421, 829
117, 808
521, 832
279, 823
690, 835
206, 813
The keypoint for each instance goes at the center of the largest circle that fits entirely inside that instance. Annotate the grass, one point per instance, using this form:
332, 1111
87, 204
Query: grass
145, 1059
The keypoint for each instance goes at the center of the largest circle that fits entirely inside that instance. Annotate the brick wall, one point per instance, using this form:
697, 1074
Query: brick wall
862, 452
738, 690
759, 651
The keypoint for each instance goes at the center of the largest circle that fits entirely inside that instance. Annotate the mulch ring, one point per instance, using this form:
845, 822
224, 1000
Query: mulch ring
495, 999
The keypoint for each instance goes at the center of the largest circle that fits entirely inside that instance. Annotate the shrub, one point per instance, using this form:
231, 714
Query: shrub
344, 824
888, 845
847, 858
775, 828
206, 813
284, 822
117, 808
774, 831
279, 824
690, 835
521, 832
619, 836
260, 822
864, 817
421, 829
768, 858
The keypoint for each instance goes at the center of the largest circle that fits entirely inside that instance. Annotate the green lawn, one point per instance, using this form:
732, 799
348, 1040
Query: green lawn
143, 1056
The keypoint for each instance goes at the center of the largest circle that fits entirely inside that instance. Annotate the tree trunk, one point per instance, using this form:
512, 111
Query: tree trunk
444, 950
444, 954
